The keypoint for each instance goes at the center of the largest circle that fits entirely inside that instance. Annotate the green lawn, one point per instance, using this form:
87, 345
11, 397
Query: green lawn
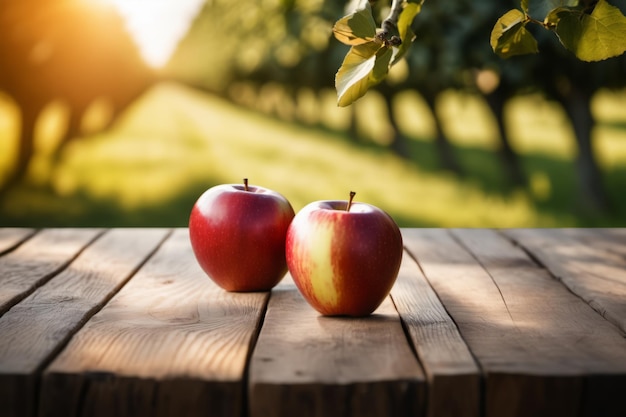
175, 142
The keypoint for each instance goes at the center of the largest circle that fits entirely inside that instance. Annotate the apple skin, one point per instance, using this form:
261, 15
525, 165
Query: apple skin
238, 236
343, 262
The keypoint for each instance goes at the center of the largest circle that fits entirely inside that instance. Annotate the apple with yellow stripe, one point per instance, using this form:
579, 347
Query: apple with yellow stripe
344, 256
238, 234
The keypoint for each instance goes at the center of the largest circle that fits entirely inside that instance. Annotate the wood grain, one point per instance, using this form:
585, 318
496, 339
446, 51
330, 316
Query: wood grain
10, 237
305, 364
453, 375
491, 323
38, 260
591, 264
607, 239
566, 332
532, 337
38, 327
169, 343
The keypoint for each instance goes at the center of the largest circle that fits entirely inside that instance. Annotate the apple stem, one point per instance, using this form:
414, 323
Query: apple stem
245, 184
352, 194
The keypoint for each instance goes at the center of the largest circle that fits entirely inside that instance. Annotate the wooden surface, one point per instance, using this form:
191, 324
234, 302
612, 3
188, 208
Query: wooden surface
364, 364
480, 322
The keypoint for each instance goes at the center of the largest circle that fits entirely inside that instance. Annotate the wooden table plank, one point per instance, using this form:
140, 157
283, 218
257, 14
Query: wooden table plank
38, 260
607, 239
563, 328
10, 237
169, 343
453, 375
588, 262
495, 332
305, 364
38, 327
532, 337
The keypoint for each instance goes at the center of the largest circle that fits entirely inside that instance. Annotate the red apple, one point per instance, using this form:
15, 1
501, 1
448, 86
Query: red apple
238, 233
344, 257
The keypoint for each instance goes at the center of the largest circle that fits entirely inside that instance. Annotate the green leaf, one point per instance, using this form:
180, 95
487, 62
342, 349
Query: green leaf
356, 28
407, 36
363, 67
509, 36
593, 37
381, 67
406, 19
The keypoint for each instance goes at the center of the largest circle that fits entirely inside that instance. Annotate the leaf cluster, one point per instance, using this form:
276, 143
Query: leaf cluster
593, 31
373, 50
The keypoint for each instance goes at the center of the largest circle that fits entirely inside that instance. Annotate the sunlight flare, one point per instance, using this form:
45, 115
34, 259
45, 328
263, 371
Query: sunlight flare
157, 25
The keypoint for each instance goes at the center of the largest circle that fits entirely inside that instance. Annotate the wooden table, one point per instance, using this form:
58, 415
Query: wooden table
122, 322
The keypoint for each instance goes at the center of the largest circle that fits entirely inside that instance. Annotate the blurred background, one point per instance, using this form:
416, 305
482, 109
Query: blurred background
122, 112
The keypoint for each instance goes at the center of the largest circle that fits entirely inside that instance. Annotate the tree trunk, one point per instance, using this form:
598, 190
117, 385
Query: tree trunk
72, 132
447, 158
26, 147
591, 190
398, 143
509, 158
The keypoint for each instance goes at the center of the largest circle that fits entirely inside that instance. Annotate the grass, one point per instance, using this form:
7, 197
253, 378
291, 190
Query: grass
175, 142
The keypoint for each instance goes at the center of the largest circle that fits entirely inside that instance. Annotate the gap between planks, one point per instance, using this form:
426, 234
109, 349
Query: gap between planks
532, 337
307, 364
169, 343
454, 377
12, 237
591, 263
36, 329
39, 259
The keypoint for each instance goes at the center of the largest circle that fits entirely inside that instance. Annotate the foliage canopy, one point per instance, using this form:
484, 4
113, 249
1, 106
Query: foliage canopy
593, 30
